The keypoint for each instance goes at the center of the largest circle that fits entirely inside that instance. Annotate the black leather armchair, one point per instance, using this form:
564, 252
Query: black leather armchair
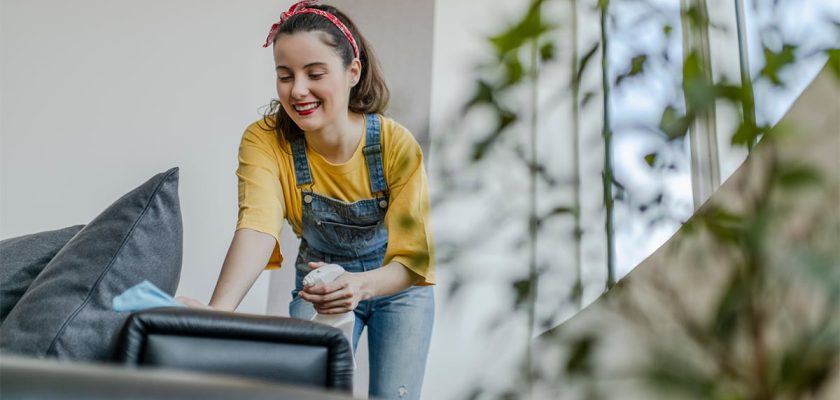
50, 379
253, 346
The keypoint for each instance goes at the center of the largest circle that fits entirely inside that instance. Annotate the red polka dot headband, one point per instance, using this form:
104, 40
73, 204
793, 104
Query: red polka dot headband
301, 8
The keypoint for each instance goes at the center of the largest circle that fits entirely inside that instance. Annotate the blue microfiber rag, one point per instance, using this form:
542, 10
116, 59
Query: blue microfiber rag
142, 296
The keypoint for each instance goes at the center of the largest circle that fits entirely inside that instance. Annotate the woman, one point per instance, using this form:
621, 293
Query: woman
351, 183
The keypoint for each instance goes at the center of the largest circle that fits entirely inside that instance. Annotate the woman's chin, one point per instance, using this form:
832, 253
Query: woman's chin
308, 125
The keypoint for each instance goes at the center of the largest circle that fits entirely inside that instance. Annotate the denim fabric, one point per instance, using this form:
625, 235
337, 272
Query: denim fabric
353, 235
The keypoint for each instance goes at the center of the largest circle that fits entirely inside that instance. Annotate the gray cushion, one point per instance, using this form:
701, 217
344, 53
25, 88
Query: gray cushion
23, 258
66, 312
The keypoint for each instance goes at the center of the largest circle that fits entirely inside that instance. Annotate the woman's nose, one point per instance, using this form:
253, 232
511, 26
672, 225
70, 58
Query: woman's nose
299, 89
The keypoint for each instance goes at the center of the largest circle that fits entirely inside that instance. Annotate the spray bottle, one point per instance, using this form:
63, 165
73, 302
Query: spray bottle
345, 321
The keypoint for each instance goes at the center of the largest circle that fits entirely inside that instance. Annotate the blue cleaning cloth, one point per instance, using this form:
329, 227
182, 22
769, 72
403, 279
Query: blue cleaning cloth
142, 296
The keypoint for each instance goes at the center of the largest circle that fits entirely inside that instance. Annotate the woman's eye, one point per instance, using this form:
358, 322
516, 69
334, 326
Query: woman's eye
284, 78
315, 76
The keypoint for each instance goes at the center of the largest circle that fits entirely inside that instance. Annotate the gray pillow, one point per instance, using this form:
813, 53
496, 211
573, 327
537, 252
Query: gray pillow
66, 312
22, 259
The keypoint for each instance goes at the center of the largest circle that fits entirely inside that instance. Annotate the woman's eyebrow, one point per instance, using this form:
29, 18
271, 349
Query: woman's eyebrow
313, 64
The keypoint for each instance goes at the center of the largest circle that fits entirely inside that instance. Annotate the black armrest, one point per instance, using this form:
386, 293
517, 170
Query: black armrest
256, 346
49, 379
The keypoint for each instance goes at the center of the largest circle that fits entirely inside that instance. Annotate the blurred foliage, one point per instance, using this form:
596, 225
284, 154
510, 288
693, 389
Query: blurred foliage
507, 73
723, 355
775, 61
747, 311
637, 65
834, 60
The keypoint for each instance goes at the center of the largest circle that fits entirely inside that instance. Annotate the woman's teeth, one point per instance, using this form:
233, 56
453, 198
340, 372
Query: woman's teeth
306, 107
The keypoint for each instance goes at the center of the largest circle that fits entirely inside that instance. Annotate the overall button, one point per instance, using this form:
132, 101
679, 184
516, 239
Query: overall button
383, 203
307, 199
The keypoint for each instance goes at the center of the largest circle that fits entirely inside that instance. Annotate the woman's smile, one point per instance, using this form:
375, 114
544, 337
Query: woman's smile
305, 109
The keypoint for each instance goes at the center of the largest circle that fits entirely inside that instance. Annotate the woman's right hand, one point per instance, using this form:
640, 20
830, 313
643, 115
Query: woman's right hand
192, 303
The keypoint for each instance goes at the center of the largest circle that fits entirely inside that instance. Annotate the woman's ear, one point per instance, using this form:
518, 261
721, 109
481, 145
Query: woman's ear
355, 69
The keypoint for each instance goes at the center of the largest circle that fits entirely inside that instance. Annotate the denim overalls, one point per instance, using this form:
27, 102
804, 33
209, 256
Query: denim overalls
354, 236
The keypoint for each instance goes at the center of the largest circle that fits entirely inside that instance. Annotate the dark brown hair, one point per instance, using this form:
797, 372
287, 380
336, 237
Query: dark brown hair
369, 95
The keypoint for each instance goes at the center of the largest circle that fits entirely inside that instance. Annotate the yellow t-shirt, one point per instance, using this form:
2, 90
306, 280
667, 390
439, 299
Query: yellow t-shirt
268, 192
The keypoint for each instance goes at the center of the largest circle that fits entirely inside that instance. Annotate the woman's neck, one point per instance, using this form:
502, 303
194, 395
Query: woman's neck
338, 142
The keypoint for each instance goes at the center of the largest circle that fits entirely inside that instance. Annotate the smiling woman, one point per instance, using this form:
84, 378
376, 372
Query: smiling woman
352, 185
327, 52
314, 94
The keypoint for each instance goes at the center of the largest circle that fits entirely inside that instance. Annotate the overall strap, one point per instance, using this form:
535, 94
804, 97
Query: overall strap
302, 174
373, 154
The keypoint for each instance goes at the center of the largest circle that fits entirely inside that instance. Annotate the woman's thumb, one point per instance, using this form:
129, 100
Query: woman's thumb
316, 264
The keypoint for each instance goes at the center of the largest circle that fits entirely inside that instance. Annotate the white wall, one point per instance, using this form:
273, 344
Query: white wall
97, 96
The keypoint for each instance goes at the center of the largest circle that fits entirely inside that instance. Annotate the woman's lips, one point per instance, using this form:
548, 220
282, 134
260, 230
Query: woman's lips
307, 108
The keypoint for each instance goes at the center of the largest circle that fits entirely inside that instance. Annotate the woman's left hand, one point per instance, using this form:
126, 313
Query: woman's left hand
339, 296
192, 303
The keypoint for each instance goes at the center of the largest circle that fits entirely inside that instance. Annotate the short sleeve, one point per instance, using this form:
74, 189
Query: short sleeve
261, 203
407, 220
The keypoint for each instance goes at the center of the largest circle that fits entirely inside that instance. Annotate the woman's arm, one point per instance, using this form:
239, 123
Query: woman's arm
345, 293
246, 258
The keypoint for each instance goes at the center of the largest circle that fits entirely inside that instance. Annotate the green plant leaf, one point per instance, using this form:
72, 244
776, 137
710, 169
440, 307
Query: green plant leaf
514, 70
637, 65
650, 159
730, 308
529, 28
697, 18
522, 290
774, 62
576, 294
504, 118
669, 372
809, 361
834, 61
603, 4
579, 360
563, 210
726, 226
558, 211
732, 93
587, 97
483, 95
700, 95
672, 124
618, 184
747, 133
798, 177
547, 51
699, 92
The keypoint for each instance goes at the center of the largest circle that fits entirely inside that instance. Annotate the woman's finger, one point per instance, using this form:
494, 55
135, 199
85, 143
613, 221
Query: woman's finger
325, 288
316, 264
346, 303
335, 297
191, 302
322, 295
334, 310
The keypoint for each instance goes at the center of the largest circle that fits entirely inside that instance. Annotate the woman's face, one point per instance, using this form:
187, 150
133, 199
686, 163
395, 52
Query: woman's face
312, 84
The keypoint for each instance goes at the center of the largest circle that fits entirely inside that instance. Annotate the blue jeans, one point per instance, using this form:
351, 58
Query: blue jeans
354, 236
399, 332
